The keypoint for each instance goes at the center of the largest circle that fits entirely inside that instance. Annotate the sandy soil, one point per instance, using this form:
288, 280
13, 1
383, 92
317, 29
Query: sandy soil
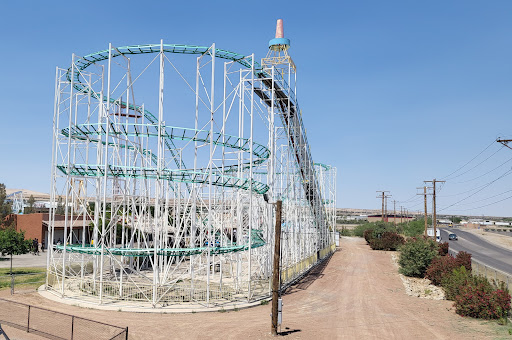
357, 295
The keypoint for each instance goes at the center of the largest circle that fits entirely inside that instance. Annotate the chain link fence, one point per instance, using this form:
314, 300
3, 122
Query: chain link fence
56, 325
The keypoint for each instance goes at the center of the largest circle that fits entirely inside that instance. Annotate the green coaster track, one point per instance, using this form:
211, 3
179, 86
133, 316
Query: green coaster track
93, 133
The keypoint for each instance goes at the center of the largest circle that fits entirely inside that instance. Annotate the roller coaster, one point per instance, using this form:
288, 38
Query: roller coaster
136, 223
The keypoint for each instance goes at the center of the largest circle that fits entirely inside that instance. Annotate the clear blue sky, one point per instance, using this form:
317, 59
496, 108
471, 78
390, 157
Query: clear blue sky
392, 92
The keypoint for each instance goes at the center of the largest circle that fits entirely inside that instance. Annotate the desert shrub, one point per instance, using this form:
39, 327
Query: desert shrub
376, 244
453, 282
440, 267
388, 241
345, 232
480, 299
464, 259
359, 229
443, 248
414, 228
416, 255
444, 266
378, 226
368, 235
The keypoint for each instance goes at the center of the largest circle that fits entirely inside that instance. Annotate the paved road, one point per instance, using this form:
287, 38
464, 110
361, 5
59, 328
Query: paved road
481, 250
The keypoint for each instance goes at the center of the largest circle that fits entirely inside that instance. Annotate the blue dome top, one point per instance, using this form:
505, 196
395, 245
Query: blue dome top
279, 41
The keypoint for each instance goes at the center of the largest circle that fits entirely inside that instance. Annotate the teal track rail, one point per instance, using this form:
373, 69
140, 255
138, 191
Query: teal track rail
138, 252
82, 132
88, 131
199, 176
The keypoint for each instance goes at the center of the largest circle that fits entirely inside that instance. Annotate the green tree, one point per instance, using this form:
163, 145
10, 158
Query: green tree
5, 208
60, 207
456, 219
31, 202
13, 243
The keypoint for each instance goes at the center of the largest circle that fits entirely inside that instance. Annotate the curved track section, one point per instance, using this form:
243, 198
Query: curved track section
88, 132
199, 176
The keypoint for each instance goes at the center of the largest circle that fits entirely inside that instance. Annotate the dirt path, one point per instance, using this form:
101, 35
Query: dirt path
357, 295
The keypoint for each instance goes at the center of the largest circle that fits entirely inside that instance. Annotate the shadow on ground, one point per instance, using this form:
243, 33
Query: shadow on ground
288, 331
313, 275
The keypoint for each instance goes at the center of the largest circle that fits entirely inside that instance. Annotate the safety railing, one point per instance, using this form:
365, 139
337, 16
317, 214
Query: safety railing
56, 325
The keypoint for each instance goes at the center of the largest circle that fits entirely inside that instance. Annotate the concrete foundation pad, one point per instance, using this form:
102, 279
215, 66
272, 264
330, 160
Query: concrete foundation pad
147, 308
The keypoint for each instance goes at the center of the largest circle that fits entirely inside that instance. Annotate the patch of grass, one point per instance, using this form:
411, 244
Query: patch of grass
428, 292
22, 270
222, 310
24, 277
501, 332
264, 302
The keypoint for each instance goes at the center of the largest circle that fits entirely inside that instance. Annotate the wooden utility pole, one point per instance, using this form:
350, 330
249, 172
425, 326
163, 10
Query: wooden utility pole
434, 217
425, 203
394, 212
383, 196
426, 217
277, 269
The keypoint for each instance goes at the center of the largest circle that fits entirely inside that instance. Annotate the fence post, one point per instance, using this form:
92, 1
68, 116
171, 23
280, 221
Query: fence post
12, 283
126, 333
72, 326
28, 320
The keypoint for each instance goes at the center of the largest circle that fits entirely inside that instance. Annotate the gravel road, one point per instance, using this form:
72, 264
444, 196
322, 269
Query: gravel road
357, 295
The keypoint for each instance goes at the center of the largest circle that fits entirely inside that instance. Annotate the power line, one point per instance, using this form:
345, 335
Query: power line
471, 190
488, 198
483, 206
409, 199
488, 172
488, 184
472, 159
465, 172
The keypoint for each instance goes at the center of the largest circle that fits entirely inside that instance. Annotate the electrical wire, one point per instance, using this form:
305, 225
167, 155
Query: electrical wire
485, 186
409, 199
467, 191
488, 198
472, 159
488, 172
483, 206
465, 172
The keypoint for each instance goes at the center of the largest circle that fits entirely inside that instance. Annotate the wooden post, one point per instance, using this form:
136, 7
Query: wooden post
426, 217
275, 274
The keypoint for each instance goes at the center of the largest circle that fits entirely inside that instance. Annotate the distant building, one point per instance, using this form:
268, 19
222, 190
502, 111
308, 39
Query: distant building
390, 218
354, 218
36, 226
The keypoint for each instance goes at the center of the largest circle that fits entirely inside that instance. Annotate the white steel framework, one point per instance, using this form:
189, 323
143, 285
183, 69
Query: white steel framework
164, 215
